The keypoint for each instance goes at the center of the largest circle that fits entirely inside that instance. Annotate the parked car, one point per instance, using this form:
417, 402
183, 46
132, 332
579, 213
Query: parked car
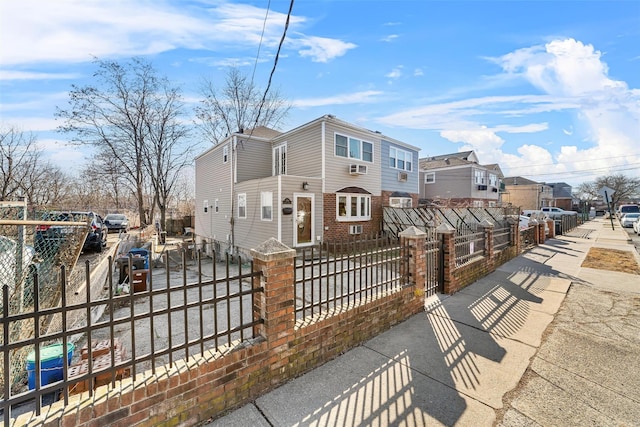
116, 222
628, 219
624, 209
636, 227
9, 273
556, 213
49, 237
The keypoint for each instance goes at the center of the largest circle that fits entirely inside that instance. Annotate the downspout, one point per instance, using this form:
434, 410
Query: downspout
322, 177
279, 207
234, 176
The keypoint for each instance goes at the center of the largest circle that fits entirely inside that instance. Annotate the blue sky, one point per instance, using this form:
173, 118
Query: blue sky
550, 90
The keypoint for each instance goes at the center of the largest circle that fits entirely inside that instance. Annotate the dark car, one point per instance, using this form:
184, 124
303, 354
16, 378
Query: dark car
116, 222
49, 237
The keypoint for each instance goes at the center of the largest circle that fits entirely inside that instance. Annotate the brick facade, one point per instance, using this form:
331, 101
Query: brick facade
335, 230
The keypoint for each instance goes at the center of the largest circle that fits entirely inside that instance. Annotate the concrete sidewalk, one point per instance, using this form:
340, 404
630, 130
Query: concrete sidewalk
489, 354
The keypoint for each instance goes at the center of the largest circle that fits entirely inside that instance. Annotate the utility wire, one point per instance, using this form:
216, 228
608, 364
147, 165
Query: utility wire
264, 25
275, 63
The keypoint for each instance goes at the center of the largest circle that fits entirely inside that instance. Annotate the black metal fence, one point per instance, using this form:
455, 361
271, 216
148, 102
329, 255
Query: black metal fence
159, 321
338, 275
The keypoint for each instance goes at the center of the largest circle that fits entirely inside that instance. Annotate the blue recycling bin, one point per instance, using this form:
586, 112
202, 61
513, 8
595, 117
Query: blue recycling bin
51, 364
143, 253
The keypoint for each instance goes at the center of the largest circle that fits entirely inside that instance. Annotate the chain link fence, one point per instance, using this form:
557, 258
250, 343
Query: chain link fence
34, 245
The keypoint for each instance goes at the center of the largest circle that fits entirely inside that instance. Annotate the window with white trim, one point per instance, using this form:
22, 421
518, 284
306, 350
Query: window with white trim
429, 177
353, 148
266, 205
479, 176
493, 179
280, 159
242, 205
216, 207
400, 159
400, 202
478, 204
225, 153
353, 207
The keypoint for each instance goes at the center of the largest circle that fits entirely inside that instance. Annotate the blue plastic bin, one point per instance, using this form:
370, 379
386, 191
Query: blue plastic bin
141, 253
51, 359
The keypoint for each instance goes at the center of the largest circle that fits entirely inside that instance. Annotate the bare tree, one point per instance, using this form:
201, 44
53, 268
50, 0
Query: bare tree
19, 159
237, 106
166, 154
625, 188
118, 114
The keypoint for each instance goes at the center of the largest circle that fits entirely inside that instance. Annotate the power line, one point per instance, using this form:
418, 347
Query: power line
275, 63
264, 25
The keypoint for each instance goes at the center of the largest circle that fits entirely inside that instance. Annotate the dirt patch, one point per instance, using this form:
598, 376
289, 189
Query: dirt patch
612, 260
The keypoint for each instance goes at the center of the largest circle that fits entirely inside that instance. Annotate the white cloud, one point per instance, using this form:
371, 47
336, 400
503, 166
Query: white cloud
395, 73
572, 78
322, 49
348, 98
76, 30
389, 38
418, 72
32, 75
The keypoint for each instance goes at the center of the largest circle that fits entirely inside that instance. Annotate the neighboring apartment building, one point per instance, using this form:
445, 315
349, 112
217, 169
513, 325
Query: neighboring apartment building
457, 179
321, 181
527, 194
562, 196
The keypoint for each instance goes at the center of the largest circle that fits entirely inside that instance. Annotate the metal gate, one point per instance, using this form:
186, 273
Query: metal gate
434, 260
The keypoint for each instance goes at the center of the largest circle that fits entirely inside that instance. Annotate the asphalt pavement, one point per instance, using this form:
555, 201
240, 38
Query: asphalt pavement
541, 341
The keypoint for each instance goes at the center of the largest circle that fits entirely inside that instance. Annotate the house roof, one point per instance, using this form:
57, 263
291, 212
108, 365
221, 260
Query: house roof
561, 190
518, 180
496, 168
262, 132
465, 155
430, 163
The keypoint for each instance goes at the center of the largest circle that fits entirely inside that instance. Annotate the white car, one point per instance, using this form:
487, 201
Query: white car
628, 219
636, 227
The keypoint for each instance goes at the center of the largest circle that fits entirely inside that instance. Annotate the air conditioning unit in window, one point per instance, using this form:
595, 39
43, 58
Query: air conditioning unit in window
357, 169
403, 176
482, 187
355, 229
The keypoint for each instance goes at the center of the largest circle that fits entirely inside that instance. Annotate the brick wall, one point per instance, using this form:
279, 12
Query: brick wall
337, 230
192, 391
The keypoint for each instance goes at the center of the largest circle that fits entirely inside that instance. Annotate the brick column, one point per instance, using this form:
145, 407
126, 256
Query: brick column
552, 228
412, 241
446, 233
276, 304
536, 231
515, 236
489, 251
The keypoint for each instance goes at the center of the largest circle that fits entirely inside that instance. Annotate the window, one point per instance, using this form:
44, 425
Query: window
242, 205
353, 207
400, 159
353, 148
266, 202
400, 202
478, 204
225, 154
429, 177
493, 180
479, 176
216, 208
280, 160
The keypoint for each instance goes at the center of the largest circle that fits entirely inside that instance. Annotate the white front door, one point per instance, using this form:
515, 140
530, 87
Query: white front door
303, 222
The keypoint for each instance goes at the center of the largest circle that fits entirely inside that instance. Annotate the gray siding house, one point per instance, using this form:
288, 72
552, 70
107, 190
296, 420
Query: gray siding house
457, 179
322, 181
